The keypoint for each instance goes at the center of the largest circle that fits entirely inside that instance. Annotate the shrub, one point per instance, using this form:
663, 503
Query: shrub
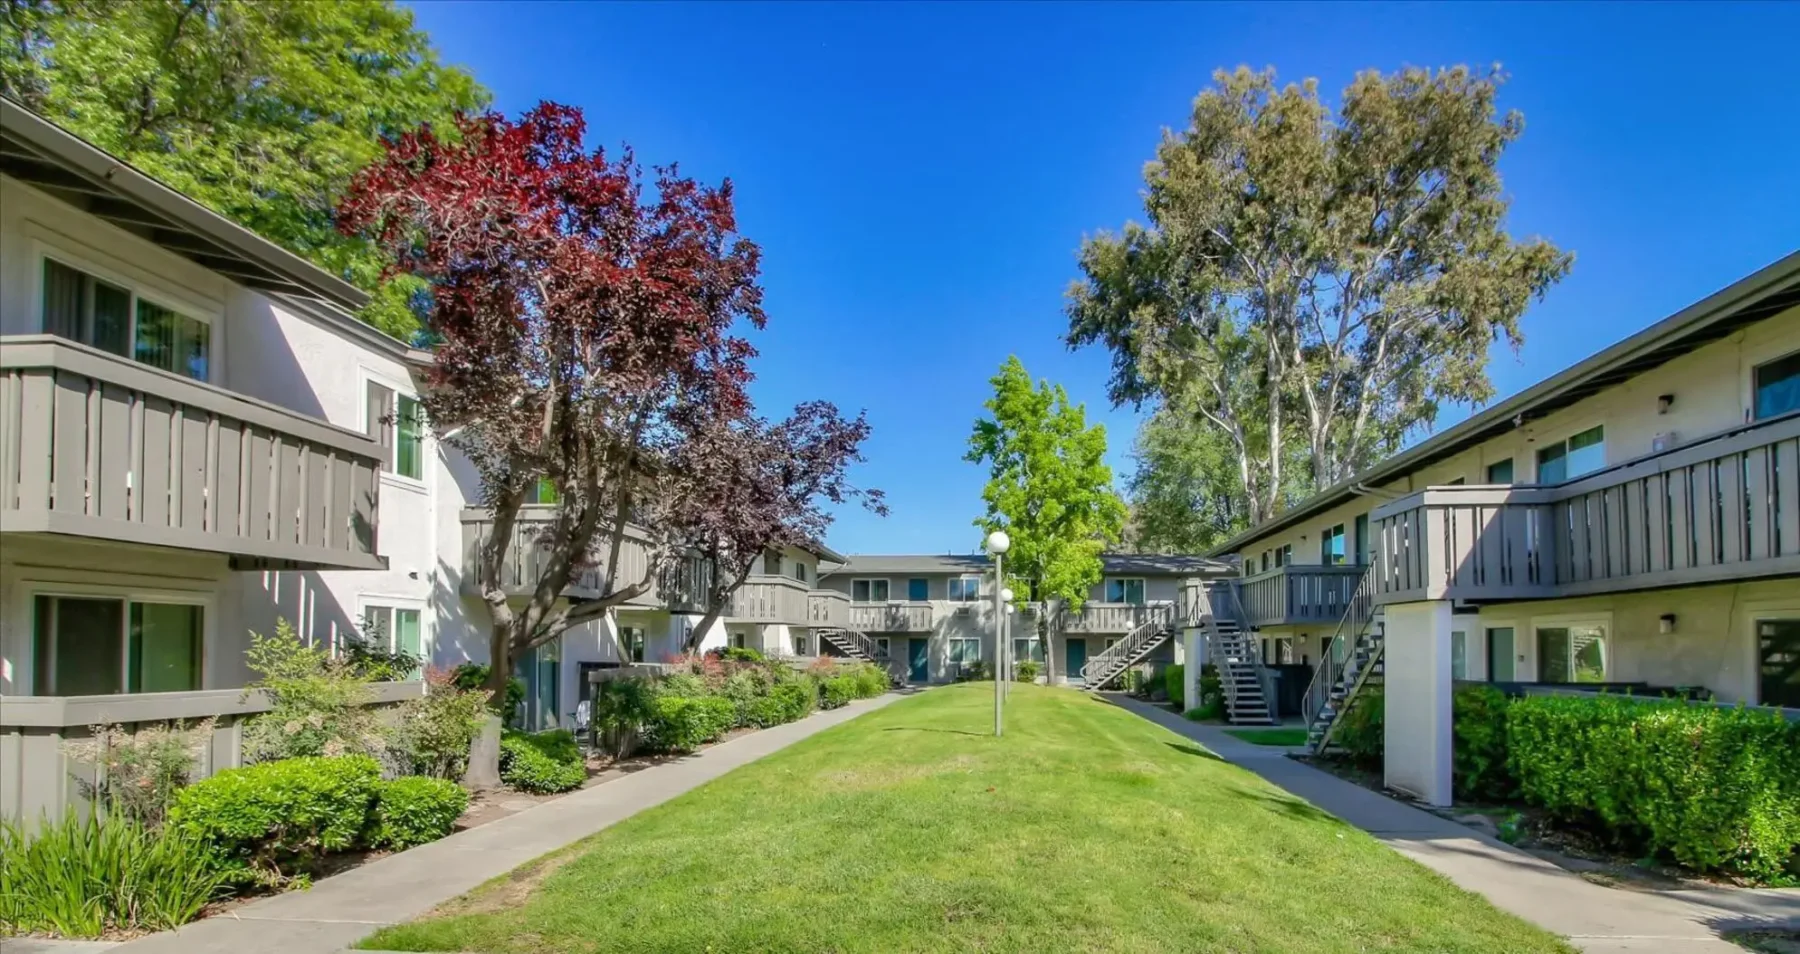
474, 676
1361, 732
1175, 684
797, 699
414, 810
838, 691
541, 762
684, 684
269, 822
871, 680
1479, 768
368, 655
744, 688
1028, 670
432, 734
683, 724
109, 872
766, 711
1715, 789
137, 773
740, 654
621, 710
319, 705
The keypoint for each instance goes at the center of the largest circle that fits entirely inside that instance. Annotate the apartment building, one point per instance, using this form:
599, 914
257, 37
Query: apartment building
1632, 522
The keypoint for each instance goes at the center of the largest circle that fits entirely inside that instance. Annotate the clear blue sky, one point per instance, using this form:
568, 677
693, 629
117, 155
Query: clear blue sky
920, 176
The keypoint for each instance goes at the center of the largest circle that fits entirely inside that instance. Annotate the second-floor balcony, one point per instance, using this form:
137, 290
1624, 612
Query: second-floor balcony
896, 617
1097, 617
101, 447
1296, 594
680, 589
1720, 509
769, 599
827, 608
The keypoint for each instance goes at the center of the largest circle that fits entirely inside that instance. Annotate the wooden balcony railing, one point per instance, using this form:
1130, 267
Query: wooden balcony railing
769, 599
1297, 593
1724, 508
681, 588
1098, 617
828, 608
99, 446
891, 617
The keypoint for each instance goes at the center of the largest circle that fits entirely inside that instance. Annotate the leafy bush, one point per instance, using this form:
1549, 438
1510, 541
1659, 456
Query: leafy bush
414, 810
797, 699
838, 691
269, 822
474, 676
1361, 732
683, 723
542, 762
685, 684
741, 655
137, 773
766, 711
871, 680
367, 653
744, 688
432, 734
1479, 770
621, 710
1175, 684
1028, 670
109, 872
320, 705
1715, 789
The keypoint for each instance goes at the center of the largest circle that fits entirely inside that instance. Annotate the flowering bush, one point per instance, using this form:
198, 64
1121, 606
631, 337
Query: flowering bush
320, 705
432, 733
137, 773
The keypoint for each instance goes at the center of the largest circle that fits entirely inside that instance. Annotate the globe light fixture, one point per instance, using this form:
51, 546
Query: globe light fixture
998, 542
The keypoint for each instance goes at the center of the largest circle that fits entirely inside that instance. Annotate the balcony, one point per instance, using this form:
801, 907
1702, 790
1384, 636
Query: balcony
910, 617
769, 599
680, 590
98, 446
1721, 509
1297, 594
827, 608
1096, 617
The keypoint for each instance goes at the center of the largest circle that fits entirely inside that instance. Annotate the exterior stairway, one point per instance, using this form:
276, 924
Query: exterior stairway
1350, 664
1109, 665
1234, 655
854, 644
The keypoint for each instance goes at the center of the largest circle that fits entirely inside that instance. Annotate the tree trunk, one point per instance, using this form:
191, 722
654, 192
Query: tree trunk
484, 753
484, 758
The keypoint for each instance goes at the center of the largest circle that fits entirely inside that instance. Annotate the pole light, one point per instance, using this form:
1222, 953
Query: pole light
1003, 643
997, 545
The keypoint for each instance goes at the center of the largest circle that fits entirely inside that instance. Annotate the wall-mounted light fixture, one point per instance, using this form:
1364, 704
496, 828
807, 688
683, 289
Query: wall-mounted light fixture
1664, 402
1666, 622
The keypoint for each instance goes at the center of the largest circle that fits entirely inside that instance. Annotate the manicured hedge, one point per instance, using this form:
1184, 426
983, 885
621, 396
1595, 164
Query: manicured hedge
541, 762
837, 692
271, 821
1715, 789
414, 810
1479, 769
1175, 684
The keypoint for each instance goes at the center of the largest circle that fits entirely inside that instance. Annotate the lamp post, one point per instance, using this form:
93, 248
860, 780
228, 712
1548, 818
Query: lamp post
997, 544
1003, 638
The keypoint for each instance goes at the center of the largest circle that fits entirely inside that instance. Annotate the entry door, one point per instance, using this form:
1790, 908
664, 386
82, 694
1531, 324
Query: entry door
918, 658
1075, 654
1500, 654
1778, 658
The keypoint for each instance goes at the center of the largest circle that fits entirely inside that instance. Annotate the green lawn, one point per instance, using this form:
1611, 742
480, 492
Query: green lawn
1294, 736
913, 829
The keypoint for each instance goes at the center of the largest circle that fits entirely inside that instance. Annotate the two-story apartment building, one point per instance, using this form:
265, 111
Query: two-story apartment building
1633, 520
932, 615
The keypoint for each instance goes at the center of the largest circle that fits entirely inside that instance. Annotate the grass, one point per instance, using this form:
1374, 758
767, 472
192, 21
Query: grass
912, 829
1294, 736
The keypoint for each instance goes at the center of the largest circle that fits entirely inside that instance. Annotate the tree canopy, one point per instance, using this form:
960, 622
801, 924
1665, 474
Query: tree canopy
261, 110
1316, 277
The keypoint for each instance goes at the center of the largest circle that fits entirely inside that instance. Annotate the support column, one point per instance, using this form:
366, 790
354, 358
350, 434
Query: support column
1417, 721
1193, 646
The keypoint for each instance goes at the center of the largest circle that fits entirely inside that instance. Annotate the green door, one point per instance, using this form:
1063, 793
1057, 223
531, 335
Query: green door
918, 657
1075, 654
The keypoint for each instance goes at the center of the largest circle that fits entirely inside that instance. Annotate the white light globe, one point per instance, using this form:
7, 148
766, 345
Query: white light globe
1006, 595
998, 542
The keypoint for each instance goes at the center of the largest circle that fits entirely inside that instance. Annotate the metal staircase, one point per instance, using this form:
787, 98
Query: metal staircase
853, 643
1162, 623
1233, 653
1350, 662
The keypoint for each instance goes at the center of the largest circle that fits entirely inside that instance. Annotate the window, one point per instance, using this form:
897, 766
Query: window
1365, 547
1582, 453
1265, 560
543, 492
395, 629
868, 591
409, 439
1500, 654
1778, 387
964, 589
918, 589
965, 652
1331, 545
739, 641
80, 307
800, 644
1459, 654
397, 423
1025, 648
1125, 591
882, 646
771, 563
540, 667
1778, 661
633, 641
101, 646
1500, 472
1568, 654
800, 571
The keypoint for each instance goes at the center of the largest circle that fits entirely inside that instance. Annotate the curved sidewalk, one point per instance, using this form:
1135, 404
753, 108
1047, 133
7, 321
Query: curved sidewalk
341, 910
1596, 919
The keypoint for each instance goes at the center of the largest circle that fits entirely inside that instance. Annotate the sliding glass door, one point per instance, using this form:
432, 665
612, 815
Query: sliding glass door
103, 645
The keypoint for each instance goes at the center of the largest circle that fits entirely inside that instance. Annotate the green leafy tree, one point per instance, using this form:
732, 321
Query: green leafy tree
260, 110
1048, 487
1313, 277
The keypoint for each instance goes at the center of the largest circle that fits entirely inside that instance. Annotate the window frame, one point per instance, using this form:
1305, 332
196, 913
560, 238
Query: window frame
884, 645
623, 636
1755, 387
924, 587
887, 589
963, 588
1537, 456
1512, 472
401, 390
1744, 620
210, 315
30, 590
1562, 621
394, 604
1124, 582
1341, 534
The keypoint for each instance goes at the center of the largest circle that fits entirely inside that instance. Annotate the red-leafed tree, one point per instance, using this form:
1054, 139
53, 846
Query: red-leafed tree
583, 334
754, 486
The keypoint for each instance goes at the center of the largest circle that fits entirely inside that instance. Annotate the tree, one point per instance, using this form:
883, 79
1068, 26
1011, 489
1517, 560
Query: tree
755, 486
1048, 487
1338, 276
259, 110
1181, 495
585, 339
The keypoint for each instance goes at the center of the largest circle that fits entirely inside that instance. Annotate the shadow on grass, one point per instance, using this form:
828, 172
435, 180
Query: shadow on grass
914, 728
1292, 807
1188, 748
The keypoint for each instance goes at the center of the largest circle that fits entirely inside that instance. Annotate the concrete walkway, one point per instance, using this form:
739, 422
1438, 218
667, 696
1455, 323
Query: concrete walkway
1596, 919
341, 910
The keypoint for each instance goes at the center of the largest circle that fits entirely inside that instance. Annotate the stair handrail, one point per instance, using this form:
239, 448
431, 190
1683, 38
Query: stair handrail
1337, 653
1158, 618
1224, 599
1362, 676
858, 638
